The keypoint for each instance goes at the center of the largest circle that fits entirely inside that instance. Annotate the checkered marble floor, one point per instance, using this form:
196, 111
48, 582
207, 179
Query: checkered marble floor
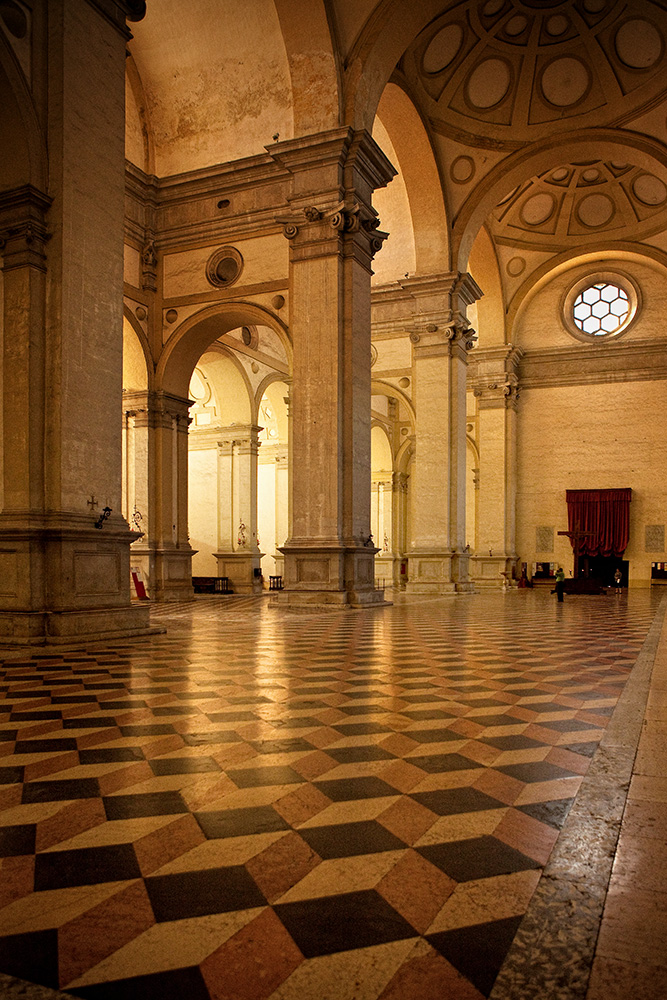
262, 805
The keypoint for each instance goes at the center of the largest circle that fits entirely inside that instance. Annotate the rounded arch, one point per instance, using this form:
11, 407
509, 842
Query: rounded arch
381, 388
138, 367
412, 154
376, 52
26, 159
272, 379
226, 376
404, 455
192, 338
382, 453
517, 167
485, 269
313, 66
570, 259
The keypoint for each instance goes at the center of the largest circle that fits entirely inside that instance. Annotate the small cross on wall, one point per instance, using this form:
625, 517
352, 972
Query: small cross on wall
92, 503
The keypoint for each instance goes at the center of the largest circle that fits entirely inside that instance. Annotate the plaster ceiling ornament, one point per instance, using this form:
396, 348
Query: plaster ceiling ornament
500, 73
572, 202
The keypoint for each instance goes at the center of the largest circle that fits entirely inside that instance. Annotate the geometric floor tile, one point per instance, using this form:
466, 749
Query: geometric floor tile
262, 805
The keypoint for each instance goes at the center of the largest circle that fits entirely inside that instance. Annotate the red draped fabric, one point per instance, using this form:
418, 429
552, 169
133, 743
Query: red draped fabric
603, 513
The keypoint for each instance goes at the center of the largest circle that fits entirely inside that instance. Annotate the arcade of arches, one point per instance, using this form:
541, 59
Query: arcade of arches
356, 241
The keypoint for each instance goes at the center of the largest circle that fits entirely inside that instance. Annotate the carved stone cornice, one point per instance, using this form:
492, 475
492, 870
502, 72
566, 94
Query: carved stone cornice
23, 230
157, 409
436, 299
493, 376
583, 364
117, 12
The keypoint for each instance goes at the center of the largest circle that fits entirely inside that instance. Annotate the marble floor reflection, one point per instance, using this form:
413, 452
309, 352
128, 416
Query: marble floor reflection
263, 805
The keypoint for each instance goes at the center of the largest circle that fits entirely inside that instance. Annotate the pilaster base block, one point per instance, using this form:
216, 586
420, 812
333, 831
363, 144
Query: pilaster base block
173, 574
46, 628
492, 572
438, 573
329, 576
240, 568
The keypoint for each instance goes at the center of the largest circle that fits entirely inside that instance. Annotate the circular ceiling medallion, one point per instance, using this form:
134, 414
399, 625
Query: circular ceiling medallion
224, 267
638, 44
590, 175
565, 81
488, 83
516, 266
537, 209
462, 169
594, 6
171, 315
492, 7
649, 190
595, 210
404, 382
443, 48
560, 175
557, 25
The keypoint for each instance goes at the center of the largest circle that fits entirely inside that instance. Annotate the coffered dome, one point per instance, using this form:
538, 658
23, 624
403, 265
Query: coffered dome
500, 73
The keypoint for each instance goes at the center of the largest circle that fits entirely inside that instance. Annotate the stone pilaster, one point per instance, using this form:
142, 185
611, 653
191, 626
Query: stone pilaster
400, 482
438, 558
238, 554
494, 381
382, 522
333, 233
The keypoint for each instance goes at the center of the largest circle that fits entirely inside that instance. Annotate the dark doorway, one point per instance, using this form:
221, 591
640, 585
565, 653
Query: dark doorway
602, 569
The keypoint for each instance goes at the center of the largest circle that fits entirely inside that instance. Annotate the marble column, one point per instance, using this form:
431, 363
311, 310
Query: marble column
64, 569
238, 555
437, 557
383, 528
333, 233
494, 381
400, 528
139, 481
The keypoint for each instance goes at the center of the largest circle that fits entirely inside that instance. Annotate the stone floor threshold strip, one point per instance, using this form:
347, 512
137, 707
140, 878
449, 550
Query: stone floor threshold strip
552, 953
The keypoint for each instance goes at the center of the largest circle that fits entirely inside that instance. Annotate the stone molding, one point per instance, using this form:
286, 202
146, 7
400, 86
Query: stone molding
157, 408
493, 378
23, 230
629, 361
117, 12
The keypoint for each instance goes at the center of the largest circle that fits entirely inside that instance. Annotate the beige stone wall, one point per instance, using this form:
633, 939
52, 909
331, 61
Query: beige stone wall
591, 437
202, 510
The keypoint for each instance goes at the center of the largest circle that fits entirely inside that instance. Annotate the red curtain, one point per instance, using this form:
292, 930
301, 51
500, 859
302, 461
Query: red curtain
605, 514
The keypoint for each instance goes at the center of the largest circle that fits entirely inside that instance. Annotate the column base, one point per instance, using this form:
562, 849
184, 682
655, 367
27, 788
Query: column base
438, 573
173, 574
62, 580
329, 576
240, 568
492, 572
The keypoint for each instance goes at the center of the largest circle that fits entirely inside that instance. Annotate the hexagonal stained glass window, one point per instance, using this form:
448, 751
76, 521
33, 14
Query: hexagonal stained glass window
600, 309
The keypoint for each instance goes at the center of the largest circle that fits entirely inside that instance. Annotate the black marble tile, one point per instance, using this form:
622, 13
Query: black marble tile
8, 735
340, 923
11, 775
183, 765
45, 745
434, 735
32, 956
479, 857
516, 742
152, 729
73, 699
568, 725
92, 722
346, 789
439, 762
344, 840
257, 777
360, 709
217, 824
86, 866
497, 720
175, 984
144, 804
110, 755
452, 801
359, 728
164, 710
478, 951
554, 812
538, 770
15, 840
36, 716
199, 893
60, 790
354, 755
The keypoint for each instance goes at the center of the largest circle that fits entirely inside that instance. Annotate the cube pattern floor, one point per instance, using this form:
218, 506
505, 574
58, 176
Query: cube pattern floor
262, 805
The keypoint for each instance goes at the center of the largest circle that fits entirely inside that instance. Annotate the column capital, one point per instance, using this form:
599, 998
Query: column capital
23, 231
493, 376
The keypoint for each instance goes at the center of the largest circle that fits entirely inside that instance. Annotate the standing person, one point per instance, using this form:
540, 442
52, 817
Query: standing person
618, 576
560, 583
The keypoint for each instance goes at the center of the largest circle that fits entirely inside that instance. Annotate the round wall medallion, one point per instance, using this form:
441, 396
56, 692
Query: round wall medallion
140, 313
278, 301
171, 315
557, 25
404, 382
462, 169
565, 82
224, 267
516, 266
